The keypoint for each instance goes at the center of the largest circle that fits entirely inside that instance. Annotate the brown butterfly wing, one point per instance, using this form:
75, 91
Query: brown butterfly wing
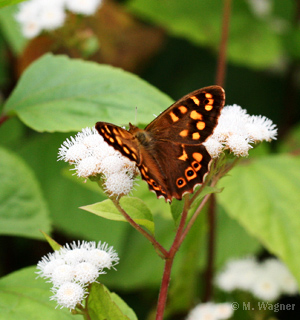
190, 120
120, 139
169, 152
173, 169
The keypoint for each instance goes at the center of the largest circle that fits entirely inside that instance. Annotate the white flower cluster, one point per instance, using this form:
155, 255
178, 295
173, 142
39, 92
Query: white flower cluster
211, 311
92, 156
261, 8
38, 15
266, 280
236, 130
73, 268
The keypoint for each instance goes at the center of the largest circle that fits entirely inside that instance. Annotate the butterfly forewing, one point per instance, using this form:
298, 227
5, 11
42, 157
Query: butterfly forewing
120, 139
192, 119
169, 152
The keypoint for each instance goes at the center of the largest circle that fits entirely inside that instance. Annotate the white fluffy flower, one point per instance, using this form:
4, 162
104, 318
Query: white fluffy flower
118, 184
266, 280
88, 167
69, 295
112, 164
283, 276
103, 256
38, 15
238, 274
74, 267
62, 274
47, 265
75, 255
86, 7
213, 147
261, 8
86, 272
223, 310
265, 287
52, 17
236, 131
31, 29
93, 157
211, 311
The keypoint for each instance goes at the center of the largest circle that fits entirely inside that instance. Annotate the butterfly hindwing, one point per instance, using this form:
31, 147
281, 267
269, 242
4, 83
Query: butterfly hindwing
169, 151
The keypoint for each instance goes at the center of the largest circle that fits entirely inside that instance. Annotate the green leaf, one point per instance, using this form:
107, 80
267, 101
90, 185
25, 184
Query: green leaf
252, 41
11, 29
23, 210
54, 245
23, 297
263, 196
176, 209
134, 207
4, 3
60, 94
177, 205
103, 305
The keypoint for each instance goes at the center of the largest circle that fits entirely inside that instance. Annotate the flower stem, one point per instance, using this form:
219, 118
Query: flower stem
211, 215
221, 68
3, 118
169, 258
162, 298
163, 252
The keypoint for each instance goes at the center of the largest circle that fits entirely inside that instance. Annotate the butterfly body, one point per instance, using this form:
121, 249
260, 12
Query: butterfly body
169, 151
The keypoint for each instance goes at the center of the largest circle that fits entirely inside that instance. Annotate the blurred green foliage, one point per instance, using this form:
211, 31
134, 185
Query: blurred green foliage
258, 208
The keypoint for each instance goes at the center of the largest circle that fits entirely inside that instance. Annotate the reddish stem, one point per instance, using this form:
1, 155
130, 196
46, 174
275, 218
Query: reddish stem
3, 118
147, 235
209, 273
221, 68
169, 258
162, 298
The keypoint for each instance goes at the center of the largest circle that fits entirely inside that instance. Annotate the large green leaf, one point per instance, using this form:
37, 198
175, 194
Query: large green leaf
11, 29
134, 207
23, 210
4, 3
103, 305
263, 196
24, 297
252, 41
60, 94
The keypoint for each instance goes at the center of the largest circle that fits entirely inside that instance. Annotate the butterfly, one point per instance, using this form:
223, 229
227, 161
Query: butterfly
169, 152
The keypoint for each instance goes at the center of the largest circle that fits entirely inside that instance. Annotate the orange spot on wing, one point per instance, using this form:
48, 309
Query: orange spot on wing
180, 182
200, 125
184, 156
197, 156
208, 95
107, 129
119, 140
196, 100
126, 150
173, 117
196, 135
190, 173
184, 133
208, 107
195, 115
183, 109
